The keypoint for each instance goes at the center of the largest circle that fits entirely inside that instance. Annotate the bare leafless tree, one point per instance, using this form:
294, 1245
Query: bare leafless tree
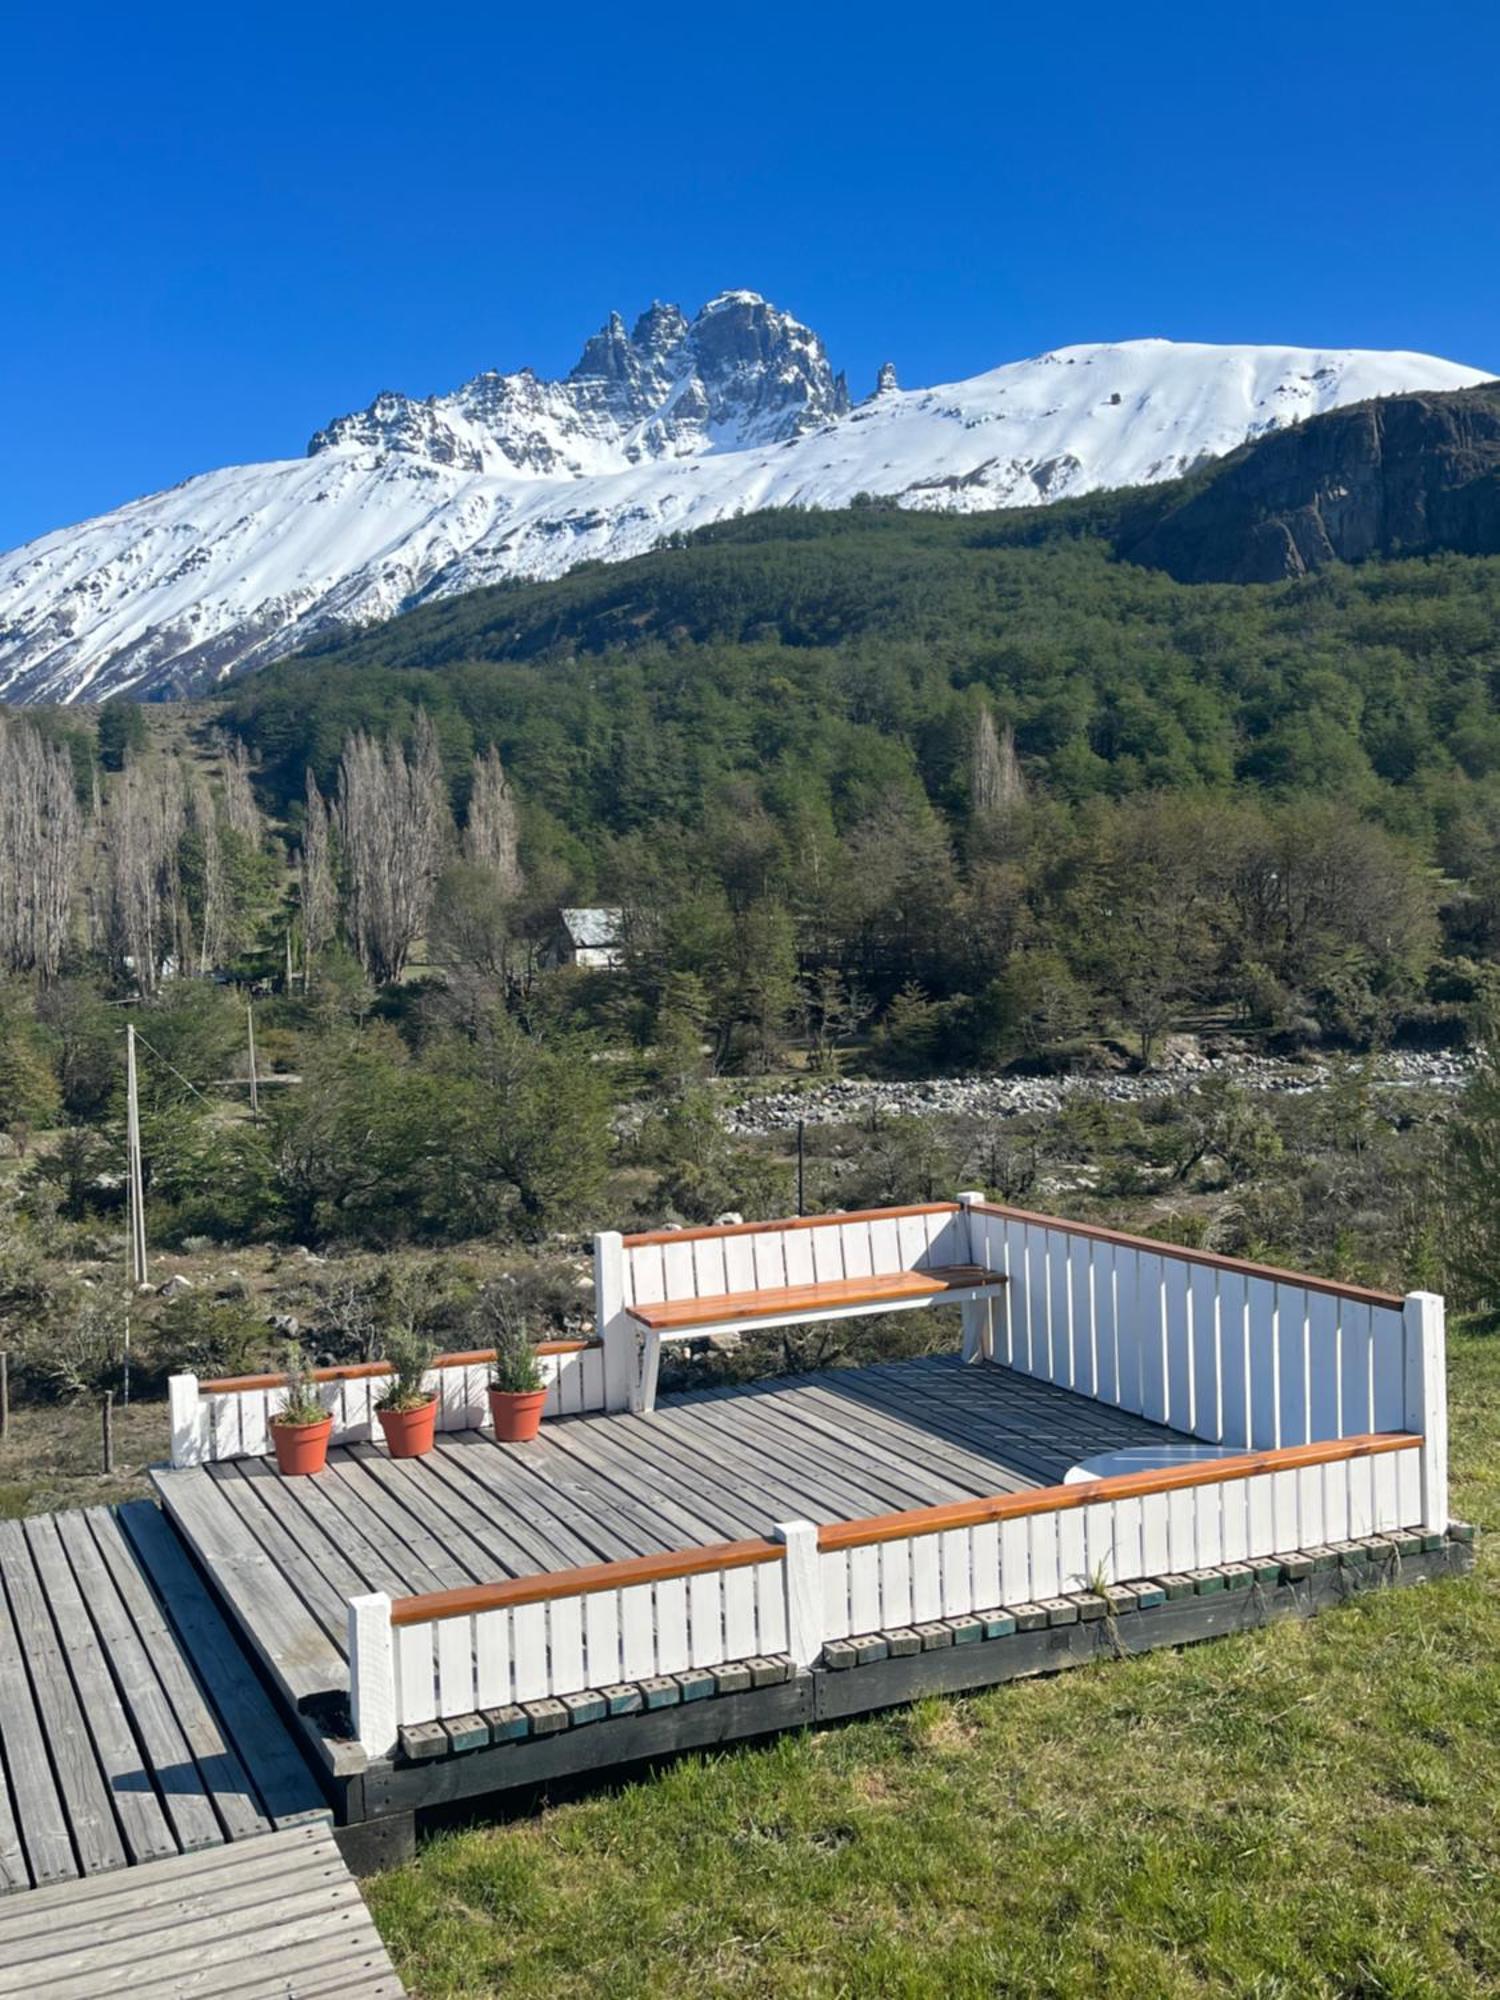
996, 785
143, 827
315, 871
492, 830
41, 841
394, 830
203, 822
241, 813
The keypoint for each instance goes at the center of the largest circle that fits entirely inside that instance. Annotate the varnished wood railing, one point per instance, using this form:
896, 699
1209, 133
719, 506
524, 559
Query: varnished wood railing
1184, 1253
359, 1371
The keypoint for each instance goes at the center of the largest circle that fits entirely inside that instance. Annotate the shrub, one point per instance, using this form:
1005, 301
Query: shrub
78, 1348
203, 1336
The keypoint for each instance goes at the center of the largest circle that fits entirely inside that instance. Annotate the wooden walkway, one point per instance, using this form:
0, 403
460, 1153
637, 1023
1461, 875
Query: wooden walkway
711, 1466
277, 1918
132, 1725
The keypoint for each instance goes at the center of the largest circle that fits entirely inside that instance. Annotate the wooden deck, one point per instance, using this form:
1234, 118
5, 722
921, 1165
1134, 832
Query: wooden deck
705, 1467
132, 1726
277, 1918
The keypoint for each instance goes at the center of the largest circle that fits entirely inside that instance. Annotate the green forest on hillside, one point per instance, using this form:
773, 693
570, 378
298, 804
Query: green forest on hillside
974, 765
830, 656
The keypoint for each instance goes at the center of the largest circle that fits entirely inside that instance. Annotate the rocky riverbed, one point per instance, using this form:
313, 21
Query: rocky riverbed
844, 1099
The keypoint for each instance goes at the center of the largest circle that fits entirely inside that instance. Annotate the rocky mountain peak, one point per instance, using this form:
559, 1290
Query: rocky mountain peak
741, 373
885, 382
660, 329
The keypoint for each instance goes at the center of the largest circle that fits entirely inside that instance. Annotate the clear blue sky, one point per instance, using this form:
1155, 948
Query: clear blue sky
223, 226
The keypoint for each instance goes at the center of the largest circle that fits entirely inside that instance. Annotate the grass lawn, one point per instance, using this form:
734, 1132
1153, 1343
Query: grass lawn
1313, 1809
53, 1456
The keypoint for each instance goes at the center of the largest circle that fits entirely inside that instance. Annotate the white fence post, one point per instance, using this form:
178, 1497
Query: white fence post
804, 1594
372, 1673
1427, 1401
978, 1338
621, 1366
189, 1420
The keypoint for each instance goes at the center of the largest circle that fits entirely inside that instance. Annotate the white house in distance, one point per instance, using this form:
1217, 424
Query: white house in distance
590, 938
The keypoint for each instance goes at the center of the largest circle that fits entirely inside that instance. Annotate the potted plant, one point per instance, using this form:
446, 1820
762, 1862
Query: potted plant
517, 1391
300, 1430
408, 1408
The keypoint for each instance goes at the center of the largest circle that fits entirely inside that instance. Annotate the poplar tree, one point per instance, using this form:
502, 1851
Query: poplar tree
394, 827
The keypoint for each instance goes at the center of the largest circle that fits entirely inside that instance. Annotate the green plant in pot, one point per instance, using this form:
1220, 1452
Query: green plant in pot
497, 1320
407, 1408
301, 1428
517, 1391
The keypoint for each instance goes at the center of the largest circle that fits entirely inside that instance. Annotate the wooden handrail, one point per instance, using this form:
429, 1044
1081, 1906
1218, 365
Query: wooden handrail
1119, 1486
357, 1371
1361, 1294
579, 1582
787, 1222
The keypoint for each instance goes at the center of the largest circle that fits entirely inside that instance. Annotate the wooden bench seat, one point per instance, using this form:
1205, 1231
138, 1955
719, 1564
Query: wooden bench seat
665, 1285
791, 1302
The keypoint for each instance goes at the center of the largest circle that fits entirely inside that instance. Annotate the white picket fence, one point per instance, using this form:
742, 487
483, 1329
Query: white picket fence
871, 1585
1235, 1353
600, 1629
452, 1653
211, 1421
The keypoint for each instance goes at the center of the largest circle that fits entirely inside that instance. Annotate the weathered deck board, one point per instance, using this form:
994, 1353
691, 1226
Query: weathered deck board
535, 1506
811, 1407
741, 1499
847, 1480
36, 1808
82, 1788
714, 1465
266, 1919
282, 1776
132, 1725
469, 1505
185, 1800
219, 1766
143, 1825
267, 1610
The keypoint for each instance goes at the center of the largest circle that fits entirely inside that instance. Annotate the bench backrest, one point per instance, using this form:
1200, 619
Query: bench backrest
670, 1264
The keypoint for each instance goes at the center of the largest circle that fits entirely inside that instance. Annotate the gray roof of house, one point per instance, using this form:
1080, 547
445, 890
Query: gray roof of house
593, 929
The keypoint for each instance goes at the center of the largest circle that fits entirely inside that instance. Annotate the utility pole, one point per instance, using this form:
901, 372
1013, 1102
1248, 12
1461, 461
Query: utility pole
135, 1198
136, 1189
254, 1084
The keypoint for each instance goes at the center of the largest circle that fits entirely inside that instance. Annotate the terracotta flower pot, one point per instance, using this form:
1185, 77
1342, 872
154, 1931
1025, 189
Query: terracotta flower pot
516, 1414
410, 1433
301, 1448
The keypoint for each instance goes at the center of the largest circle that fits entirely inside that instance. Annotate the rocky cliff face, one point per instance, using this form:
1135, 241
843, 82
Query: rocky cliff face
1397, 477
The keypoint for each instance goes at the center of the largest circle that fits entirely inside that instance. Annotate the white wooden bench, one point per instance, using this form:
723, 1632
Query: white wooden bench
681, 1284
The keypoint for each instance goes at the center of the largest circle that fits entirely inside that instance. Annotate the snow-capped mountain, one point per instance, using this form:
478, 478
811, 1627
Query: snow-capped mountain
675, 424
